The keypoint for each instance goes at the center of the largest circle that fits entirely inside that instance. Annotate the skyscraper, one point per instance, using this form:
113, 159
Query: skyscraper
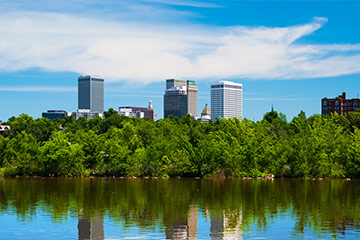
91, 93
180, 98
226, 100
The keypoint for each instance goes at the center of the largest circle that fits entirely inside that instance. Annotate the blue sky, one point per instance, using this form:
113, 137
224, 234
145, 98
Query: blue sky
288, 54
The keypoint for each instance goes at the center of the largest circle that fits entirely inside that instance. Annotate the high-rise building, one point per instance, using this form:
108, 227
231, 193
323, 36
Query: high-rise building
226, 100
180, 98
340, 104
91, 93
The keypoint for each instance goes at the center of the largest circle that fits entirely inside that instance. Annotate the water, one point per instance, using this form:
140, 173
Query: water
178, 209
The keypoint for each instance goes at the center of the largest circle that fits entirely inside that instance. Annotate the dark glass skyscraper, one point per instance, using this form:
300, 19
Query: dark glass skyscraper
180, 98
91, 93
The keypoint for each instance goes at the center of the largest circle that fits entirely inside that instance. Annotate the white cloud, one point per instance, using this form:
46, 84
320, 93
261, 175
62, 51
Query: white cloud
184, 3
150, 52
37, 89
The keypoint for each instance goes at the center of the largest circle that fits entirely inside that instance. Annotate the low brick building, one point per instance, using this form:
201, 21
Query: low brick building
139, 112
339, 104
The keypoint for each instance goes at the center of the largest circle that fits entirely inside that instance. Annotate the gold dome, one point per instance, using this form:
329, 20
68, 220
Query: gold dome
206, 111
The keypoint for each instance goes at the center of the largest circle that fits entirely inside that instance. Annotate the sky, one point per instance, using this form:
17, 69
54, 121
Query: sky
287, 54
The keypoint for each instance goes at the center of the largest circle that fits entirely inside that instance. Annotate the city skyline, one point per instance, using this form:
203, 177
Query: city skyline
286, 53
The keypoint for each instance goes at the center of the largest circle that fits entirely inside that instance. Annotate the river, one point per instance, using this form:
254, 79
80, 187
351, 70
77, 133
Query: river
113, 208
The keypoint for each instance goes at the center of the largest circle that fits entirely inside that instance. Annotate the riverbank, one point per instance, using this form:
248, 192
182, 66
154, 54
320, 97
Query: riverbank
178, 177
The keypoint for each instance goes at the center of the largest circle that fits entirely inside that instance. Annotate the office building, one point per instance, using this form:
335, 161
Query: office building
53, 114
91, 93
139, 112
340, 104
180, 98
226, 100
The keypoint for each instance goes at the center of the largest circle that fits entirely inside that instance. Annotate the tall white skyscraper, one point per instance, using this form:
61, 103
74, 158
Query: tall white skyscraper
226, 100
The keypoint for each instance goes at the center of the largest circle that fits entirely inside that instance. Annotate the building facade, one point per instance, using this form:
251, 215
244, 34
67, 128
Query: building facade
226, 100
91, 93
86, 113
138, 112
53, 114
340, 104
180, 98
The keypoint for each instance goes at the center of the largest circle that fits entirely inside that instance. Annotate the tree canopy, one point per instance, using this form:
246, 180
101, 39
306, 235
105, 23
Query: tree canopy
317, 146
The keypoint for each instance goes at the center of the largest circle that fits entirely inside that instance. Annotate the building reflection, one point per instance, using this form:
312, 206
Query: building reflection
226, 225
223, 226
91, 228
184, 228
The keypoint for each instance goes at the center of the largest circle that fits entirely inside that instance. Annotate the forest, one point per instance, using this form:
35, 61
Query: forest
305, 147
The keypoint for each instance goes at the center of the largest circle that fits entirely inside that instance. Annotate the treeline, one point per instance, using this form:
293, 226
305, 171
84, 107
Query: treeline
317, 146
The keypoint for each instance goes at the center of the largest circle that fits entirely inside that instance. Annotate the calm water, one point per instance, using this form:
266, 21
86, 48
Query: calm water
178, 209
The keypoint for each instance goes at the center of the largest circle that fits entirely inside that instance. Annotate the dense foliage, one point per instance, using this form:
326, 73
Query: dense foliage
317, 146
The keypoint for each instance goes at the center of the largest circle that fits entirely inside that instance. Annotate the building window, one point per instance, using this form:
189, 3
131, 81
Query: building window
325, 103
337, 103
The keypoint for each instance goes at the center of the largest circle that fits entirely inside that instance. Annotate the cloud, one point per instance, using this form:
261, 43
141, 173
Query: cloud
185, 3
267, 99
151, 52
37, 89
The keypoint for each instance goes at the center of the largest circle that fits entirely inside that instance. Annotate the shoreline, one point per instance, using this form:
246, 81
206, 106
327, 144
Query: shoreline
176, 178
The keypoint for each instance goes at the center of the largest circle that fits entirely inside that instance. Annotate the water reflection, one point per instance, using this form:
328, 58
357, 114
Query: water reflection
222, 226
91, 228
184, 228
179, 209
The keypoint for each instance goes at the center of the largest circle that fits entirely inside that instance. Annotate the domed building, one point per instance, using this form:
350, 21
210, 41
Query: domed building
205, 114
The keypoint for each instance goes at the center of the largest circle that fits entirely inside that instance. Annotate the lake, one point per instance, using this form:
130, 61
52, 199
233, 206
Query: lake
113, 208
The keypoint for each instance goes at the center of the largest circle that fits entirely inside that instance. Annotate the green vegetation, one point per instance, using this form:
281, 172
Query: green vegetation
119, 146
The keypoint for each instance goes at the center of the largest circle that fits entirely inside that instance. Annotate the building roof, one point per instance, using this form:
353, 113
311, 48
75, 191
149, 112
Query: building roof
4, 128
137, 109
206, 111
227, 83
